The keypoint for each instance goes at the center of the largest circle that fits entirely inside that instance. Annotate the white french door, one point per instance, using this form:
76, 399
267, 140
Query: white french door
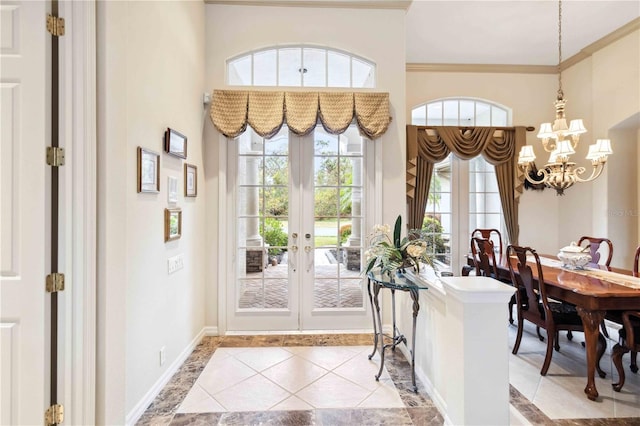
300, 205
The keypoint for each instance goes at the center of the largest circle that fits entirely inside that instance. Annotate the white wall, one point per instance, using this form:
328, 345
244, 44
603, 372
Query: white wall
232, 30
616, 106
150, 77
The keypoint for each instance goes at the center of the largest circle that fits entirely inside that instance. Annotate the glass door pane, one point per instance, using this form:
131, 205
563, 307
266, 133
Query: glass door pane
262, 283
334, 287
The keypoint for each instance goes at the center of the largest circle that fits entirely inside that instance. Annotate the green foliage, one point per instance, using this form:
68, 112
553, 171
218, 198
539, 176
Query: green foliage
345, 233
274, 235
432, 231
398, 253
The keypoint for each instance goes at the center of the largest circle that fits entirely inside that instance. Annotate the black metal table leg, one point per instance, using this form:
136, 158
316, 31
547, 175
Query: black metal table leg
373, 316
416, 307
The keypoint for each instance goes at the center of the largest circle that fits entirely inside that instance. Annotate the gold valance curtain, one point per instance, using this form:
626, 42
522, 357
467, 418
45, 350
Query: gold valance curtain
429, 145
266, 112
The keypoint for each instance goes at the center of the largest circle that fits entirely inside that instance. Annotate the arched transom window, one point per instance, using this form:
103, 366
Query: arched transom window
300, 66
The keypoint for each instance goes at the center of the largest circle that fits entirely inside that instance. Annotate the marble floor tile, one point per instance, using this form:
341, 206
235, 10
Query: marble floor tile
218, 363
332, 391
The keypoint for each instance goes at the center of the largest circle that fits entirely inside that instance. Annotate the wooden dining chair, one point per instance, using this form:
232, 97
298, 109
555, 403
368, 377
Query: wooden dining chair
538, 309
596, 247
596, 250
492, 234
486, 265
484, 257
489, 233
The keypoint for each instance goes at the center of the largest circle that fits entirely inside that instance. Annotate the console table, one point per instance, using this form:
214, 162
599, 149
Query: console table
393, 282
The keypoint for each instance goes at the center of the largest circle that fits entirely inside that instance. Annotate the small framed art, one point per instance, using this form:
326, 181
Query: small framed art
172, 189
148, 170
172, 224
190, 180
175, 143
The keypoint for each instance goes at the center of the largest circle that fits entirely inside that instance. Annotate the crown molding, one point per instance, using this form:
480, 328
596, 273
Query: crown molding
531, 69
339, 4
480, 68
601, 44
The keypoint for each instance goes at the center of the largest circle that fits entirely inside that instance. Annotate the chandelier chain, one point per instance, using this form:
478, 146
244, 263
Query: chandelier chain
560, 92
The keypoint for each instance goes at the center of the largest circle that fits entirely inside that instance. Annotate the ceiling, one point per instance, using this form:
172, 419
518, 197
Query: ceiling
515, 32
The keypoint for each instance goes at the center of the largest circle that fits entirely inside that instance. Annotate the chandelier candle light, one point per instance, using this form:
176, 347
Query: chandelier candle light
560, 141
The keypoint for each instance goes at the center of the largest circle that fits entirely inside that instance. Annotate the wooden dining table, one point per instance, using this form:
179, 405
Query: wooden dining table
594, 291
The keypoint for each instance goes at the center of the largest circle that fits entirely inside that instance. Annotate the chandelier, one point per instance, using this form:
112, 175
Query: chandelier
561, 141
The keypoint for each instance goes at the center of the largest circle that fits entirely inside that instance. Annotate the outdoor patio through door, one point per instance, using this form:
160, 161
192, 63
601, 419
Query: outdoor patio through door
300, 208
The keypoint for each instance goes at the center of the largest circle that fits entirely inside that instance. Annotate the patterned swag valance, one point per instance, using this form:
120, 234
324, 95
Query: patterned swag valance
266, 112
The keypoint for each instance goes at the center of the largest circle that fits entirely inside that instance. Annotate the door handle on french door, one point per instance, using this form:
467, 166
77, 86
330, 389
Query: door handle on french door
292, 260
307, 250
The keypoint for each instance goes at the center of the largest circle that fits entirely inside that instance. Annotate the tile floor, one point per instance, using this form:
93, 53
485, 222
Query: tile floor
327, 380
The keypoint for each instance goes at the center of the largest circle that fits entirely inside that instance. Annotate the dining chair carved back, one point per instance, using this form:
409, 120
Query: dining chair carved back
596, 247
484, 257
492, 234
636, 263
538, 308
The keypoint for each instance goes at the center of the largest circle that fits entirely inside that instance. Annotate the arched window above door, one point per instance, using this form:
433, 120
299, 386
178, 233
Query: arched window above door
300, 66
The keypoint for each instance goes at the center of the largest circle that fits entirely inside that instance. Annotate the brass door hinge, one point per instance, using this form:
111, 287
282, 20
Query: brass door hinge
55, 156
55, 282
55, 25
54, 415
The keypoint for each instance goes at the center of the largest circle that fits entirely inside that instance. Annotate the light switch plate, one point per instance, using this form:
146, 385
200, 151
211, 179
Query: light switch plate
175, 263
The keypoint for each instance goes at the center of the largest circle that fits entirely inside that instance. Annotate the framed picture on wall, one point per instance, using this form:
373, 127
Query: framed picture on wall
172, 224
148, 170
190, 180
172, 189
175, 143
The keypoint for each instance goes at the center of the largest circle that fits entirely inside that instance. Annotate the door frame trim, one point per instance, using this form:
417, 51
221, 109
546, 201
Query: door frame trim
78, 211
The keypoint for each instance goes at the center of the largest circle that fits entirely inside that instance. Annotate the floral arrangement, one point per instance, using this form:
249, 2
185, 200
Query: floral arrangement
398, 253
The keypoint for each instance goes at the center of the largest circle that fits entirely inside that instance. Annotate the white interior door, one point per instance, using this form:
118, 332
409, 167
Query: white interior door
23, 210
300, 204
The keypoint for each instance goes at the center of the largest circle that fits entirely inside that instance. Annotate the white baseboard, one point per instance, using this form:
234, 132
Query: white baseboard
148, 398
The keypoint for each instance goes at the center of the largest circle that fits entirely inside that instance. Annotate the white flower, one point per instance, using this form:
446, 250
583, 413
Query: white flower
415, 250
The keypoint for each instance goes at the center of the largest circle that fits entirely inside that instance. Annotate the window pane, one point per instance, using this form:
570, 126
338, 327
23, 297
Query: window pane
277, 145
450, 113
493, 203
498, 117
326, 202
434, 114
290, 63
325, 144
314, 72
483, 114
352, 144
490, 182
419, 116
264, 68
347, 169
493, 221
239, 72
467, 113
362, 74
339, 70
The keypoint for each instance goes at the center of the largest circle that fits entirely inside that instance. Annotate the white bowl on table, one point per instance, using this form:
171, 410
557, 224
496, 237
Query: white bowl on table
574, 257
